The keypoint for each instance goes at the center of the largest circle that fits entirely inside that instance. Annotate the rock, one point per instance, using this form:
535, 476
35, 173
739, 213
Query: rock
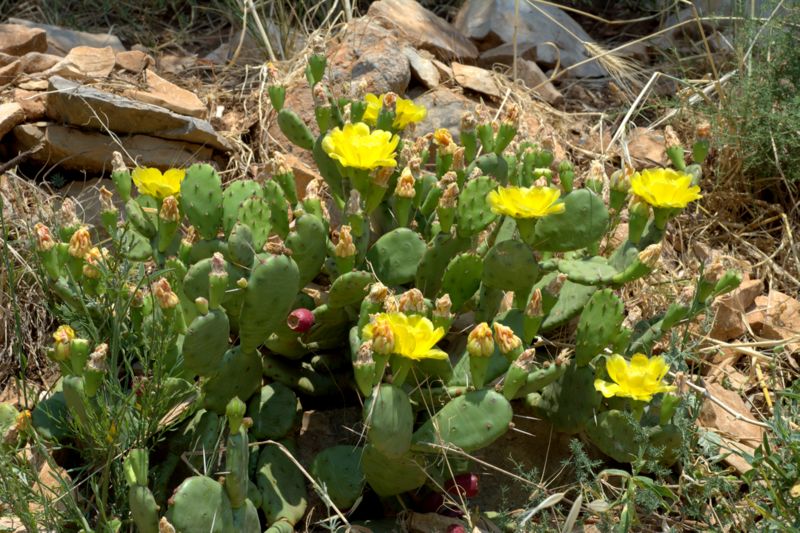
89, 151
712, 416
505, 54
175, 64
445, 108
134, 61
303, 173
541, 25
61, 40
422, 67
84, 62
35, 62
777, 317
476, 79
532, 76
17, 40
11, 114
368, 53
729, 310
527, 70
166, 94
646, 148
423, 29
87, 107
10, 72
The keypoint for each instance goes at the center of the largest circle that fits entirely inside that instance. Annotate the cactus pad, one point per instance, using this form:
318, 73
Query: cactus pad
338, 468
396, 256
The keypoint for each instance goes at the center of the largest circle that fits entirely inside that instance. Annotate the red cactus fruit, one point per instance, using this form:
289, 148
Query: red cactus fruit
456, 528
466, 484
300, 320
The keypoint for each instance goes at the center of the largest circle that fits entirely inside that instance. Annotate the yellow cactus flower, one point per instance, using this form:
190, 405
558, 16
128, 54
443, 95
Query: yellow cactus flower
356, 146
64, 334
406, 111
639, 380
152, 182
414, 336
664, 187
522, 202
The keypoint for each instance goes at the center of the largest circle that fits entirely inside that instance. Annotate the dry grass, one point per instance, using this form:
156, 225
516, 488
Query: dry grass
25, 322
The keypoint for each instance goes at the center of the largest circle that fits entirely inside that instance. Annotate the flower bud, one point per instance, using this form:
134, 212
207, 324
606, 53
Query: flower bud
480, 342
63, 340
703, 130
382, 338
458, 159
94, 258
67, 215
80, 243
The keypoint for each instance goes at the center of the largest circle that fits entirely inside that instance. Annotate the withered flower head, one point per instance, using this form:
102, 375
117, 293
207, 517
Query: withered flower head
169, 210
163, 294
651, 255
106, 200
449, 197
80, 243
468, 121
442, 307
353, 206
377, 292
381, 175
671, 138
405, 184
506, 339
534, 307
44, 239
345, 247
412, 301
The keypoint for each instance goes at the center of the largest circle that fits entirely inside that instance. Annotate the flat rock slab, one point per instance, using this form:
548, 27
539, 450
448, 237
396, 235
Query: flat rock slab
369, 53
90, 151
424, 29
422, 67
539, 24
476, 79
445, 108
78, 105
83, 62
166, 94
61, 40
11, 115
17, 40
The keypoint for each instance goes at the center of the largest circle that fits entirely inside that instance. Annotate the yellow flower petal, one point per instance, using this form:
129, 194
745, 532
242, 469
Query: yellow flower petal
605, 388
521, 202
640, 379
406, 111
152, 182
664, 187
414, 336
355, 146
